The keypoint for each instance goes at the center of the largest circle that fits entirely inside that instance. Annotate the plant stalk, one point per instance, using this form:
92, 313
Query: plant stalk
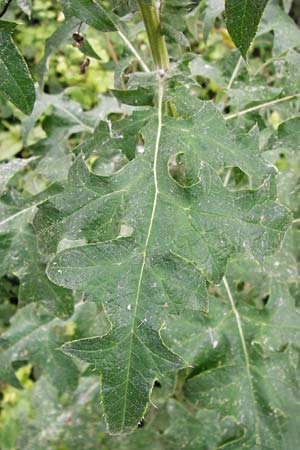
133, 50
261, 106
156, 39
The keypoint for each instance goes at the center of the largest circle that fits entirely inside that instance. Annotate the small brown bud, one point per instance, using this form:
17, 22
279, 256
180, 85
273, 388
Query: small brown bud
84, 66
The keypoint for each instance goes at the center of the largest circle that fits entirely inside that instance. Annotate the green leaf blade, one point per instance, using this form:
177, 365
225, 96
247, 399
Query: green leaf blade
16, 82
242, 18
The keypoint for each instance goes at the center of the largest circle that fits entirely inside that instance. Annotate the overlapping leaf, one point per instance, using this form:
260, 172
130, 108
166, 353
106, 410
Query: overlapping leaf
246, 367
26, 6
8, 170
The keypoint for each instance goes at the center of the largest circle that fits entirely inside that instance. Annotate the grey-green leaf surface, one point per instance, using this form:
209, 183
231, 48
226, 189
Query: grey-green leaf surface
173, 16
213, 9
286, 32
242, 19
69, 114
8, 170
135, 97
210, 140
16, 82
120, 134
83, 211
178, 231
245, 365
285, 144
26, 6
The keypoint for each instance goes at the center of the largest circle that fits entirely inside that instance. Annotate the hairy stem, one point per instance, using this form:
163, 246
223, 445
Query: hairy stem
156, 39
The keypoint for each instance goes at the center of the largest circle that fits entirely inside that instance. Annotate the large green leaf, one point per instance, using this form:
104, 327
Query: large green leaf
16, 82
242, 19
176, 231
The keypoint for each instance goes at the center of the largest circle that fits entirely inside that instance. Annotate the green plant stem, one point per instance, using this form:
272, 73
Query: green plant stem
241, 333
263, 105
235, 72
227, 177
156, 39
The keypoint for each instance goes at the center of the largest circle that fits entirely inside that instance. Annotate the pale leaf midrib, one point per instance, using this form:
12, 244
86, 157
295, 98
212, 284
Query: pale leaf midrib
158, 136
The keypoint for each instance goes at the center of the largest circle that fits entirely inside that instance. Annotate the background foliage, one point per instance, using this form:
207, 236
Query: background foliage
217, 398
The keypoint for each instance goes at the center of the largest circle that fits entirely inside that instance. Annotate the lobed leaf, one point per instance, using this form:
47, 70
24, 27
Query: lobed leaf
180, 230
